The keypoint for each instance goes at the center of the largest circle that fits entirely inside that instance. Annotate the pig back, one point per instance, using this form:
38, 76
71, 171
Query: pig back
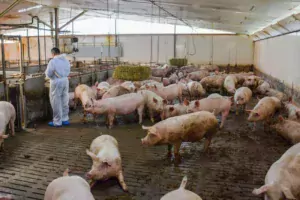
68, 187
8, 111
190, 127
105, 144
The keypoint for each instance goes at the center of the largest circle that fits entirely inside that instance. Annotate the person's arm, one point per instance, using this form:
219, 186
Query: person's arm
50, 70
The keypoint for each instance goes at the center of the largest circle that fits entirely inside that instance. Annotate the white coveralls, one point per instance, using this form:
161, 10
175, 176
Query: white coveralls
58, 71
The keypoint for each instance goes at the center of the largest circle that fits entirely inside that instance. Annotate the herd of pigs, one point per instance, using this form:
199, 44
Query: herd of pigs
191, 120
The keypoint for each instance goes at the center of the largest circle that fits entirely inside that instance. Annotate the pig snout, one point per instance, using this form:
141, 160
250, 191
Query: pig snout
89, 175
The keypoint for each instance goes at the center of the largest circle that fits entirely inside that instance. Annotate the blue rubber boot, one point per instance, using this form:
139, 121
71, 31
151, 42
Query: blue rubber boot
52, 124
66, 123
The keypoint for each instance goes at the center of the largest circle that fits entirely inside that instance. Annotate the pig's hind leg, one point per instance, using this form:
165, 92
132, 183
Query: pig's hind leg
176, 150
208, 137
169, 154
121, 181
140, 114
12, 126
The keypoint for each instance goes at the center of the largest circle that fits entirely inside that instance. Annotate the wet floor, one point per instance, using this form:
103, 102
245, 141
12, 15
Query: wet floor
238, 160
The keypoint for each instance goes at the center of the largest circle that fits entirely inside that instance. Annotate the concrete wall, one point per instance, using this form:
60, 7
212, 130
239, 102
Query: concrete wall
279, 57
199, 49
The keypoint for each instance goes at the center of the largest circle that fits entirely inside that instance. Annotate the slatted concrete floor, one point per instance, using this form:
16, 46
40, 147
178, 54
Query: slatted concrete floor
238, 161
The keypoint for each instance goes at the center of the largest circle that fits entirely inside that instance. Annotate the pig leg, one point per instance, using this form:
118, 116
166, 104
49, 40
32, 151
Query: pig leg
111, 118
151, 115
208, 138
176, 150
169, 154
121, 181
140, 113
224, 116
2, 146
12, 127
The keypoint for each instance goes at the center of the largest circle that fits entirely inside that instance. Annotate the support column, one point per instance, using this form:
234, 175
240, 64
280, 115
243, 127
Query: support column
56, 27
3, 67
28, 48
175, 41
52, 27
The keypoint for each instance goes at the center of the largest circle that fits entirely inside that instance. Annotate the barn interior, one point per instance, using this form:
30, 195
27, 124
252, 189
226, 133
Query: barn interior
256, 37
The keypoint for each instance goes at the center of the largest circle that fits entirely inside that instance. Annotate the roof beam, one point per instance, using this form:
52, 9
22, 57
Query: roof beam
9, 8
76, 17
43, 22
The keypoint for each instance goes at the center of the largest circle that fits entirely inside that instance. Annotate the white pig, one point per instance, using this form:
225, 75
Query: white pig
154, 102
230, 83
293, 111
242, 96
7, 116
175, 110
72, 100
283, 178
185, 128
198, 75
102, 88
264, 109
217, 105
68, 187
115, 91
128, 85
213, 82
196, 89
107, 161
181, 193
263, 87
275, 93
288, 129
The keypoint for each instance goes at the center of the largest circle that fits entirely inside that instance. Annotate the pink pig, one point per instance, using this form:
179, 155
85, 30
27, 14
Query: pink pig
185, 128
198, 75
213, 104
7, 116
170, 92
175, 110
107, 162
288, 129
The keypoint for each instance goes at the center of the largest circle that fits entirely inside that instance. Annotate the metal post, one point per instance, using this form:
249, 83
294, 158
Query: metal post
56, 27
175, 41
22, 56
51, 24
45, 45
39, 44
28, 47
3, 67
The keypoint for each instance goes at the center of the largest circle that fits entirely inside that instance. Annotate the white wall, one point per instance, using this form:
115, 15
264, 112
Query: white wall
279, 57
199, 49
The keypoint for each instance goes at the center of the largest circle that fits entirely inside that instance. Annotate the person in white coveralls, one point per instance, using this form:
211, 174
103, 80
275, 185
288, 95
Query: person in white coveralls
58, 71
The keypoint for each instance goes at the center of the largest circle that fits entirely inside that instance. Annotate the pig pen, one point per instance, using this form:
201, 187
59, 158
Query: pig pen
238, 160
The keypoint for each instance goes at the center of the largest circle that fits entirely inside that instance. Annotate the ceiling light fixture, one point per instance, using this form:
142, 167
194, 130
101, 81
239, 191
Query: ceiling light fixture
30, 8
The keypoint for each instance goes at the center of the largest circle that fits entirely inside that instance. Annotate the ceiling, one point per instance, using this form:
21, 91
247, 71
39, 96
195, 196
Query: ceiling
239, 16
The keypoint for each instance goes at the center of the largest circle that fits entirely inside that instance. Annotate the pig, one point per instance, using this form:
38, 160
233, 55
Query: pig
153, 102
217, 105
275, 93
166, 82
72, 100
185, 128
7, 116
242, 96
196, 89
210, 68
128, 85
263, 87
213, 82
115, 91
230, 84
264, 109
181, 193
288, 129
293, 111
198, 75
112, 81
252, 81
107, 163
173, 78
175, 110
150, 83
160, 72
214, 95
189, 69
102, 88
283, 178
158, 79
68, 187
85, 94
170, 92
120, 105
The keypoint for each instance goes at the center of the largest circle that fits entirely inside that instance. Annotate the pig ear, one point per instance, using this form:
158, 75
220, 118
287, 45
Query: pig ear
93, 156
287, 192
197, 103
171, 109
66, 172
186, 102
261, 190
256, 114
155, 100
146, 127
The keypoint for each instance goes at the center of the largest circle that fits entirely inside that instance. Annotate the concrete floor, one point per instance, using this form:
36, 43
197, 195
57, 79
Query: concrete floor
238, 161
